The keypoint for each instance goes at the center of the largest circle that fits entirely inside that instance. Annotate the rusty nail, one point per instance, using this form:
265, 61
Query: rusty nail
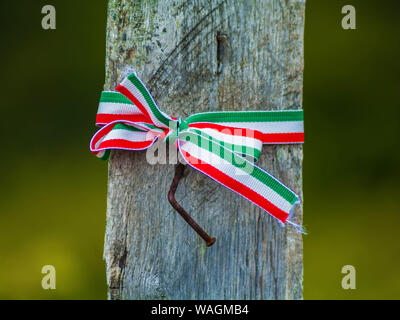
180, 168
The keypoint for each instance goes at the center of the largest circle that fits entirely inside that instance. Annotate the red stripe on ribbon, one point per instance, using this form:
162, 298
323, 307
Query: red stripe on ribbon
297, 137
104, 118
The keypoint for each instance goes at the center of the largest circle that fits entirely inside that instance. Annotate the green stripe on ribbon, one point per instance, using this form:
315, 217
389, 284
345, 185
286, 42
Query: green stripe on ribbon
114, 97
121, 126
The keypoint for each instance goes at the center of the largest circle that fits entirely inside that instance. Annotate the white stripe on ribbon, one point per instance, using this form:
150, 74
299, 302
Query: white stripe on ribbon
118, 108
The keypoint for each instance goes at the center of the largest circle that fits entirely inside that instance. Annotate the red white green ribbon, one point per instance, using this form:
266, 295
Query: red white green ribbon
223, 145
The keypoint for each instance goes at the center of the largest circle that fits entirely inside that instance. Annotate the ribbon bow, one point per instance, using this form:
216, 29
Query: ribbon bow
222, 145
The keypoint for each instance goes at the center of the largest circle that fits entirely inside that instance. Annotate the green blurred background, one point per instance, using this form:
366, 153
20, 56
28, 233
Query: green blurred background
53, 192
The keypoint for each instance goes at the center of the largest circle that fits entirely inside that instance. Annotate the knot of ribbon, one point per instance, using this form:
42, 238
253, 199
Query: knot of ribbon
223, 145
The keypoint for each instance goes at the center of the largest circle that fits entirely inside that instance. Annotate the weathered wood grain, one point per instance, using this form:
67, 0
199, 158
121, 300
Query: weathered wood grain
203, 55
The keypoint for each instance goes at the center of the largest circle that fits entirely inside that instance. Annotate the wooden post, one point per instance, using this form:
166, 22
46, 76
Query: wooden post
197, 56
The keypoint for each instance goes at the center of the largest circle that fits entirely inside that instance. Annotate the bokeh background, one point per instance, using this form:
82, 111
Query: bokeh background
53, 192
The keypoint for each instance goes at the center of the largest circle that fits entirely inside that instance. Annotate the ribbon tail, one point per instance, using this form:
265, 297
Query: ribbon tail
237, 173
292, 219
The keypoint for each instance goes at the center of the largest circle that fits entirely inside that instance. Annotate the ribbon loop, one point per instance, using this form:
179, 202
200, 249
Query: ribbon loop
222, 145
